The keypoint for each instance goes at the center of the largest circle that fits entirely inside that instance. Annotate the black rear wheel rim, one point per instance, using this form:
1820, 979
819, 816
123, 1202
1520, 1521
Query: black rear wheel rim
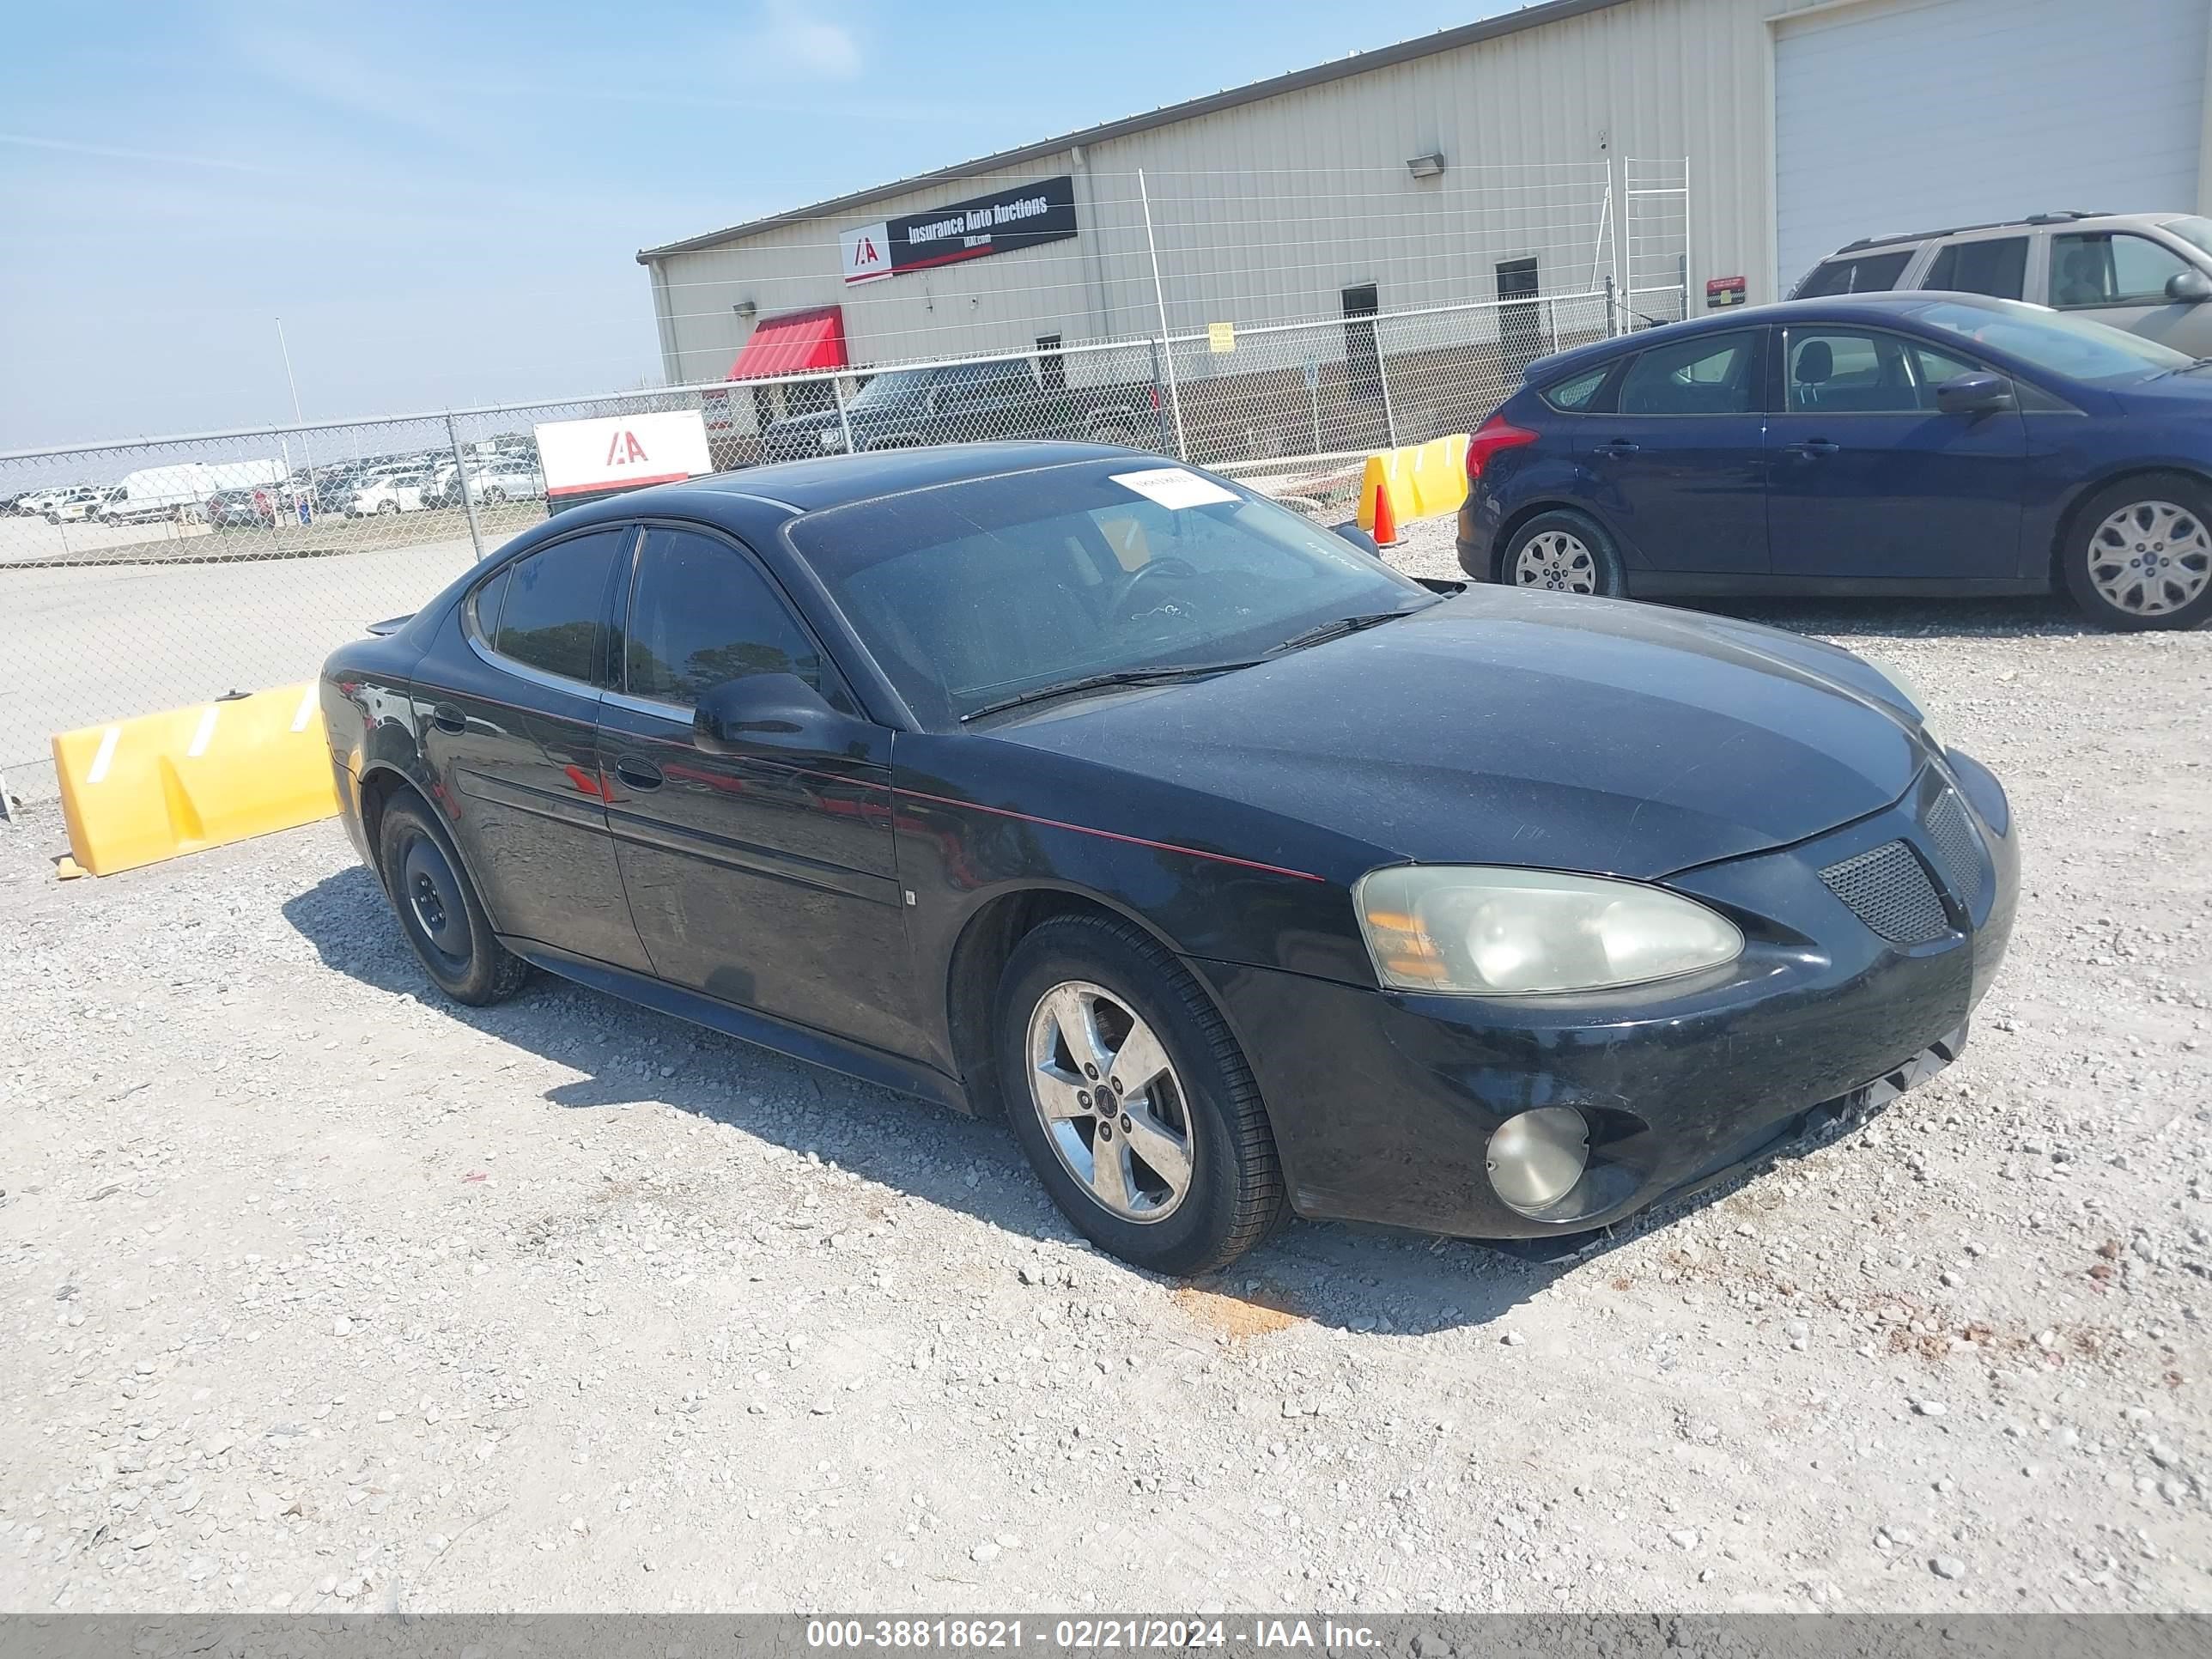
430, 897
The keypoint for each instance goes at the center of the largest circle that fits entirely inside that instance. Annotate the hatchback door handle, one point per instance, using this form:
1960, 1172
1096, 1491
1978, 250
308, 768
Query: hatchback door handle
1811, 447
1619, 447
447, 718
638, 774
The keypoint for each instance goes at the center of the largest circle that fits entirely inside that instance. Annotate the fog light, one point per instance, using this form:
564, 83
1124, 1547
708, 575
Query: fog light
1535, 1158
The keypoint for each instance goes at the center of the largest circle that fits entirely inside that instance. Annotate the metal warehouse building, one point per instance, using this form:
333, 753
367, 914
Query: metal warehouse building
1651, 151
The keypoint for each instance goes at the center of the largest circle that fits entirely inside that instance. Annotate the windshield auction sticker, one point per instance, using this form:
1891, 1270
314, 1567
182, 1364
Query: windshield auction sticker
1173, 488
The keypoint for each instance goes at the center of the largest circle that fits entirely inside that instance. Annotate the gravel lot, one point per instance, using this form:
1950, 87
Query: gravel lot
325, 1294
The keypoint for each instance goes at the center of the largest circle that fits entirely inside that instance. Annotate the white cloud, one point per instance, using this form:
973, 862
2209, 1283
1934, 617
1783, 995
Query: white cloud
791, 37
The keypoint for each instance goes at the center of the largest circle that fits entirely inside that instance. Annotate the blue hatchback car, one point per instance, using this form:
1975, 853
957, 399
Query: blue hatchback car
1872, 444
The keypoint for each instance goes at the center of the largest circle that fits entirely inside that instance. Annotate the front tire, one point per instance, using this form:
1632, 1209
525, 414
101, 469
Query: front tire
1563, 552
2139, 554
1132, 1100
439, 910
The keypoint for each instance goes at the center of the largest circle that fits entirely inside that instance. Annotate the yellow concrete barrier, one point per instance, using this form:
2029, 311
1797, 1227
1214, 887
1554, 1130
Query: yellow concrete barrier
1425, 480
143, 790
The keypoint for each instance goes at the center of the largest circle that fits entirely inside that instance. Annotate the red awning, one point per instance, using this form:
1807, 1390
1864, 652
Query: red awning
792, 344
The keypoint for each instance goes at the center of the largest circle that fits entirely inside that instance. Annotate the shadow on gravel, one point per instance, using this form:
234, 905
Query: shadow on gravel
1350, 1277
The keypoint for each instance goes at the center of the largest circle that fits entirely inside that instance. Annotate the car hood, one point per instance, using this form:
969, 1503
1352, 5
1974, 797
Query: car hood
1507, 727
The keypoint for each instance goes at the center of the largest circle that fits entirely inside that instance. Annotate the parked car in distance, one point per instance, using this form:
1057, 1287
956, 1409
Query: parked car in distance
390, 492
71, 506
492, 480
1906, 444
233, 509
2149, 273
1242, 874
965, 402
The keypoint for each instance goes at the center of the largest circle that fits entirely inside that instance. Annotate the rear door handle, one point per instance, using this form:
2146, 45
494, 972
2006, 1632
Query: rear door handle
1811, 447
1619, 447
447, 718
638, 774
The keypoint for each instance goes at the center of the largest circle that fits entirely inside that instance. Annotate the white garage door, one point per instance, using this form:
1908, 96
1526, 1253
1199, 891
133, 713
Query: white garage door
1916, 117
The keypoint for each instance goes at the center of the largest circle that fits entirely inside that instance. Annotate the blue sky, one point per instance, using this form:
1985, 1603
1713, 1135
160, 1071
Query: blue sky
442, 202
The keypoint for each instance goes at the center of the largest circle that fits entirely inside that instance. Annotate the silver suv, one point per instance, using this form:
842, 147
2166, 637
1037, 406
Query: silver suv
2149, 273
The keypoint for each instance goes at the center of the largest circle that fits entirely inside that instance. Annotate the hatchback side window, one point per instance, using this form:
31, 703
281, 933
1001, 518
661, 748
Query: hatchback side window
703, 615
1996, 265
1847, 372
1708, 375
2108, 268
553, 617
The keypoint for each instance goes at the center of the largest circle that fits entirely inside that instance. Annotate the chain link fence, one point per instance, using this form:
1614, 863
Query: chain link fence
157, 573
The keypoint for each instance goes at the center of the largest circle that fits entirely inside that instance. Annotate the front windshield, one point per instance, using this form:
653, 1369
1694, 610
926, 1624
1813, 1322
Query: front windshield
2072, 346
975, 592
2193, 230
897, 387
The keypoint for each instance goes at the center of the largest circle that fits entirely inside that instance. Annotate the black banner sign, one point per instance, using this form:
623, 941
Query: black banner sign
1021, 216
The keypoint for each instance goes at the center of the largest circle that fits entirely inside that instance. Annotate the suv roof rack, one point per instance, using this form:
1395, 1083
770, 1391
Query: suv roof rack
2057, 216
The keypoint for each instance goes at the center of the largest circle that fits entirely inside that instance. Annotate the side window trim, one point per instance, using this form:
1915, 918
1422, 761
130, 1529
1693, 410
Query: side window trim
619, 694
484, 649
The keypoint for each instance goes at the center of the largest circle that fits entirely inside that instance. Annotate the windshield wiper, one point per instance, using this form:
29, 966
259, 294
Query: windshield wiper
1100, 681
1337, 629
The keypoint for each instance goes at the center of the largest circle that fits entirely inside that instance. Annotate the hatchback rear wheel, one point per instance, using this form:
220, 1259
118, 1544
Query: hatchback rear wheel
2140, 554
1132, 1100
1563, 552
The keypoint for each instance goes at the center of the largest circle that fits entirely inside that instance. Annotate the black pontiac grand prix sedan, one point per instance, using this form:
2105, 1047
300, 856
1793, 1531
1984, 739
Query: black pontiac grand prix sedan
1243, 875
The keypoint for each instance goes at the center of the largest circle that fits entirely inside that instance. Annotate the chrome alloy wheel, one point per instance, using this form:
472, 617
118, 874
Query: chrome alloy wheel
2151, 557
1109, 1101
1555, 560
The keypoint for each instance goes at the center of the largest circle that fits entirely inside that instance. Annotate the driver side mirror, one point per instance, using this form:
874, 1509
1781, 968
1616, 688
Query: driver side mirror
1360, 538
772, 715
1978, 393
2188, 287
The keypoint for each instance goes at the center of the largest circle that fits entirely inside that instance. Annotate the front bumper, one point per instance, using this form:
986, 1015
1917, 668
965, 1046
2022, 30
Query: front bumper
1383, 1103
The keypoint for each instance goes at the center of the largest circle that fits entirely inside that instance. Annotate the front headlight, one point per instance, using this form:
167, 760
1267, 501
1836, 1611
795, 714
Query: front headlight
1469, 931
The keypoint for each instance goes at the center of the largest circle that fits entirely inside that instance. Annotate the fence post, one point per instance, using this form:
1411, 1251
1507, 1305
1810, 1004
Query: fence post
1551, 322
1382, 373
1160, 298
461, 479
845, 421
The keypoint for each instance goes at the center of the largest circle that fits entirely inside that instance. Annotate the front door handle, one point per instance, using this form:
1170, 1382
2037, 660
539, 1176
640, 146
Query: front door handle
638, 774
447, 718
1619, 447
1811, 447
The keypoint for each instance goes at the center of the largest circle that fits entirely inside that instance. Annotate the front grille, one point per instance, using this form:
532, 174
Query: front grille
1957, 846
1888, 889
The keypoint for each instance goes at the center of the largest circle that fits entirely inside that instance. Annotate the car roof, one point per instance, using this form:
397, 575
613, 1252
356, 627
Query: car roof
1865, 307
2034, 221
810, 485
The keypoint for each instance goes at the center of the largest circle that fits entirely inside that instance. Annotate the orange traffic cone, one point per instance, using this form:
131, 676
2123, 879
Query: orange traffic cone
1385, 521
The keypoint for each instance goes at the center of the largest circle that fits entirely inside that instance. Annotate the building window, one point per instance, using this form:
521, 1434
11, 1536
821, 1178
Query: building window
1518, 331
1052, 368
1363, 358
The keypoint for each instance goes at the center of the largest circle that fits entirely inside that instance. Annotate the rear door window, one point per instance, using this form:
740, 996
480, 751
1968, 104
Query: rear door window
554, 615
1711, 374
1859, 273
1996, 265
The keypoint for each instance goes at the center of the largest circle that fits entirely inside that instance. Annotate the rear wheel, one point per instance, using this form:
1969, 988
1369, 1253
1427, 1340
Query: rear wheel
1132, 1100
439, 910
1563, 552
2139, 556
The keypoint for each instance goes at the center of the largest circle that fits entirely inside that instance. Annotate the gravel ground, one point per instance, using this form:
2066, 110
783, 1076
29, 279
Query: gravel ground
326, 1295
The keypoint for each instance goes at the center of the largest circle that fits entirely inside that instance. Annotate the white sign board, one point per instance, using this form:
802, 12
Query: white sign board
867, 252
621, 452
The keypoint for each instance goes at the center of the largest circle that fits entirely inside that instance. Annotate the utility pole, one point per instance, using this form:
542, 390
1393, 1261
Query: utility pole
314, 495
